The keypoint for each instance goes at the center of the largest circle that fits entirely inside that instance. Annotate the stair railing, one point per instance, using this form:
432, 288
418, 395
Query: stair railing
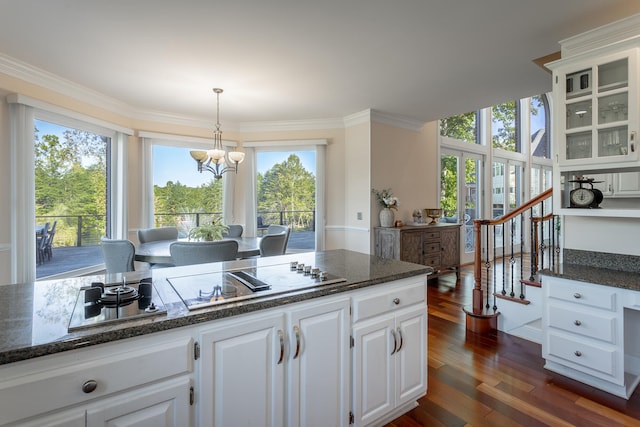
491, 241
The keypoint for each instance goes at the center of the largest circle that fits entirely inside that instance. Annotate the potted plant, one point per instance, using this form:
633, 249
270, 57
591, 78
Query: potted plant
208, 232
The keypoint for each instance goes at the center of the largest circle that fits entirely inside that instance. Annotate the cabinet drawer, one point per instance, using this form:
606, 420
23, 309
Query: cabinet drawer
395, 295
593, 325
431, 235
603, 297
431, 248
57, 381
432, 261
583, 356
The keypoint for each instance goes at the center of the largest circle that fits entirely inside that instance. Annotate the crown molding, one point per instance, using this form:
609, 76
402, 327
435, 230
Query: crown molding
614, 32
371, 116
26, 72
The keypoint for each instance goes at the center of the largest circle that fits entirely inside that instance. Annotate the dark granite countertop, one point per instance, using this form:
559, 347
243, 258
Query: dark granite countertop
601, 268
35, 316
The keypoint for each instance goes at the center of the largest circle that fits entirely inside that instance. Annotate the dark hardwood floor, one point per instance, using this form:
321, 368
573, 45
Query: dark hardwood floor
499, 380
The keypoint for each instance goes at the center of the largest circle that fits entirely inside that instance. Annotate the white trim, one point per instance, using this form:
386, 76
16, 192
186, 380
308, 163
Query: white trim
17, 98
297, 143
172, 138
347, 228
370, 116
622, 30
291, 125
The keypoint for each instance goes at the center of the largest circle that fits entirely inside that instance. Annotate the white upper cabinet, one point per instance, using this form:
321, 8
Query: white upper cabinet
597, 115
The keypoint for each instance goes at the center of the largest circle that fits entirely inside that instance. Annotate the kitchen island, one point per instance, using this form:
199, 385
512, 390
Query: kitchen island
296, 355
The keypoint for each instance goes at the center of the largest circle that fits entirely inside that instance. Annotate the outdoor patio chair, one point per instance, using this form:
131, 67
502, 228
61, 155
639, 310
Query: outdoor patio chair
48, 246
188, 253
161, 233
118, 255
41, 243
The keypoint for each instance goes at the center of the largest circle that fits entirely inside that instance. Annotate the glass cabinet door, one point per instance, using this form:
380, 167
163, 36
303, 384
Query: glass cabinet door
599, 112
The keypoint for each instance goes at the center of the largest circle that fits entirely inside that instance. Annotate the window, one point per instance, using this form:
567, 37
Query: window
504, 133
182, 196
72, 167
539, 121
286, 194
461, 127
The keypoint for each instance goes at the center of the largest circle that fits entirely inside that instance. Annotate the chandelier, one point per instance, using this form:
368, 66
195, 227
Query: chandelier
218, 161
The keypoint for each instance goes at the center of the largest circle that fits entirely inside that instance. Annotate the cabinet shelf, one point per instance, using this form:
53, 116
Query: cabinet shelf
603, 212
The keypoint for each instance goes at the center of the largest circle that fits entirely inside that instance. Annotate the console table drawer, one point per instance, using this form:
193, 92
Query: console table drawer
431, 248
429, 235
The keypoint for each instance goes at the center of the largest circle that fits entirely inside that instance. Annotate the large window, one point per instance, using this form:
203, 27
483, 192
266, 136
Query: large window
72, 203
286, 194
504, 135
539, 122
182, 196
462, 127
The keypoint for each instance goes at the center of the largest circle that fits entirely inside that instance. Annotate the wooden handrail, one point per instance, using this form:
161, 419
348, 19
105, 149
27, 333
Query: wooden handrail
477, 296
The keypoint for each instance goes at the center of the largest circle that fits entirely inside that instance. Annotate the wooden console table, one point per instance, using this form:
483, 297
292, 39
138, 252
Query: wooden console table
435, 245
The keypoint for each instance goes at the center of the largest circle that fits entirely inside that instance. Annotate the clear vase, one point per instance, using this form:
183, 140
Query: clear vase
387, 217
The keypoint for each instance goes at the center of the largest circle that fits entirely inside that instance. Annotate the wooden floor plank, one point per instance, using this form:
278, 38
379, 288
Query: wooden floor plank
498, 379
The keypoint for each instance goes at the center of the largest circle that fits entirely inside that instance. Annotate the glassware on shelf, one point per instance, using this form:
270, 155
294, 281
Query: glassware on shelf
579, 146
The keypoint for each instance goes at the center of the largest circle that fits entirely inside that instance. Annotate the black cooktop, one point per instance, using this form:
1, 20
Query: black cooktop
208, 289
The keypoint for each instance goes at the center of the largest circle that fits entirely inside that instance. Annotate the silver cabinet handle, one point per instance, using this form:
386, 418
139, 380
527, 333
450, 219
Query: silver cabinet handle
577, 295
281, 337
577, 323
296, 332
395, 341
578, 353
396, 301
401, 340
89, 386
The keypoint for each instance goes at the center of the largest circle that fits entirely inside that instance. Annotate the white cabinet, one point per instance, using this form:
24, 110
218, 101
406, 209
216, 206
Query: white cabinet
241, 379
583, 328
62, 389
389, 356
258, 367
597, 118
318, 363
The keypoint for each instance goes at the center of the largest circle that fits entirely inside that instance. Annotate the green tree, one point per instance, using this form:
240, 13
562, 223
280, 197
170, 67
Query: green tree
462, 127
289, 188
504, 126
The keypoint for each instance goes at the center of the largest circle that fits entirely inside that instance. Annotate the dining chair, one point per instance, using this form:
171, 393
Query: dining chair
277, 229
273, 244
188, 253
118, 255
161, 233
235, 230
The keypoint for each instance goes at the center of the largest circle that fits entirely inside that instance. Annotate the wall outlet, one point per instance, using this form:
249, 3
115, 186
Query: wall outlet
359, 216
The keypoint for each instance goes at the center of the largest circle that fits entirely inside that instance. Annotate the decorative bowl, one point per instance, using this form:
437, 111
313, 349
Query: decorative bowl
434, 214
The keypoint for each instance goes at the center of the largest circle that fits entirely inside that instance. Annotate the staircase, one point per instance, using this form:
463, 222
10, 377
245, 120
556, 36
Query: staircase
509, 252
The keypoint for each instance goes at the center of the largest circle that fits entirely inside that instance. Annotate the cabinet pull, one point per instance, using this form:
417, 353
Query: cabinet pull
577, 322
296, 332
578, 353
396, 301
395, 341
632, 144
577, 295
89, 386
401, 340
281, 337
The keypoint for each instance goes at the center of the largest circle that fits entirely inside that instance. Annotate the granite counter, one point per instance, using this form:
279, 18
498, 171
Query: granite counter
35, 316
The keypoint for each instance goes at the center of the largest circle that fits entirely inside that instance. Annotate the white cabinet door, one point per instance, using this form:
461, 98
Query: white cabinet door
318, 364
162, 405
627, 184
241, 381
71, 418
374, 368
411, 374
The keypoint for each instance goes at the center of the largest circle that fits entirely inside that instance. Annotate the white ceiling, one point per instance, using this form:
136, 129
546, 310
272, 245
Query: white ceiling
282, 60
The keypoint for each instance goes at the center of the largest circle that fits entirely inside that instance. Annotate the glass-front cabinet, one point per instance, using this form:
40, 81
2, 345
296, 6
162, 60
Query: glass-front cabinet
598, 111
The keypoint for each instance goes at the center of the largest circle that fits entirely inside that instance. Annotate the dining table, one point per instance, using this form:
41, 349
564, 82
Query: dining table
157, 252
